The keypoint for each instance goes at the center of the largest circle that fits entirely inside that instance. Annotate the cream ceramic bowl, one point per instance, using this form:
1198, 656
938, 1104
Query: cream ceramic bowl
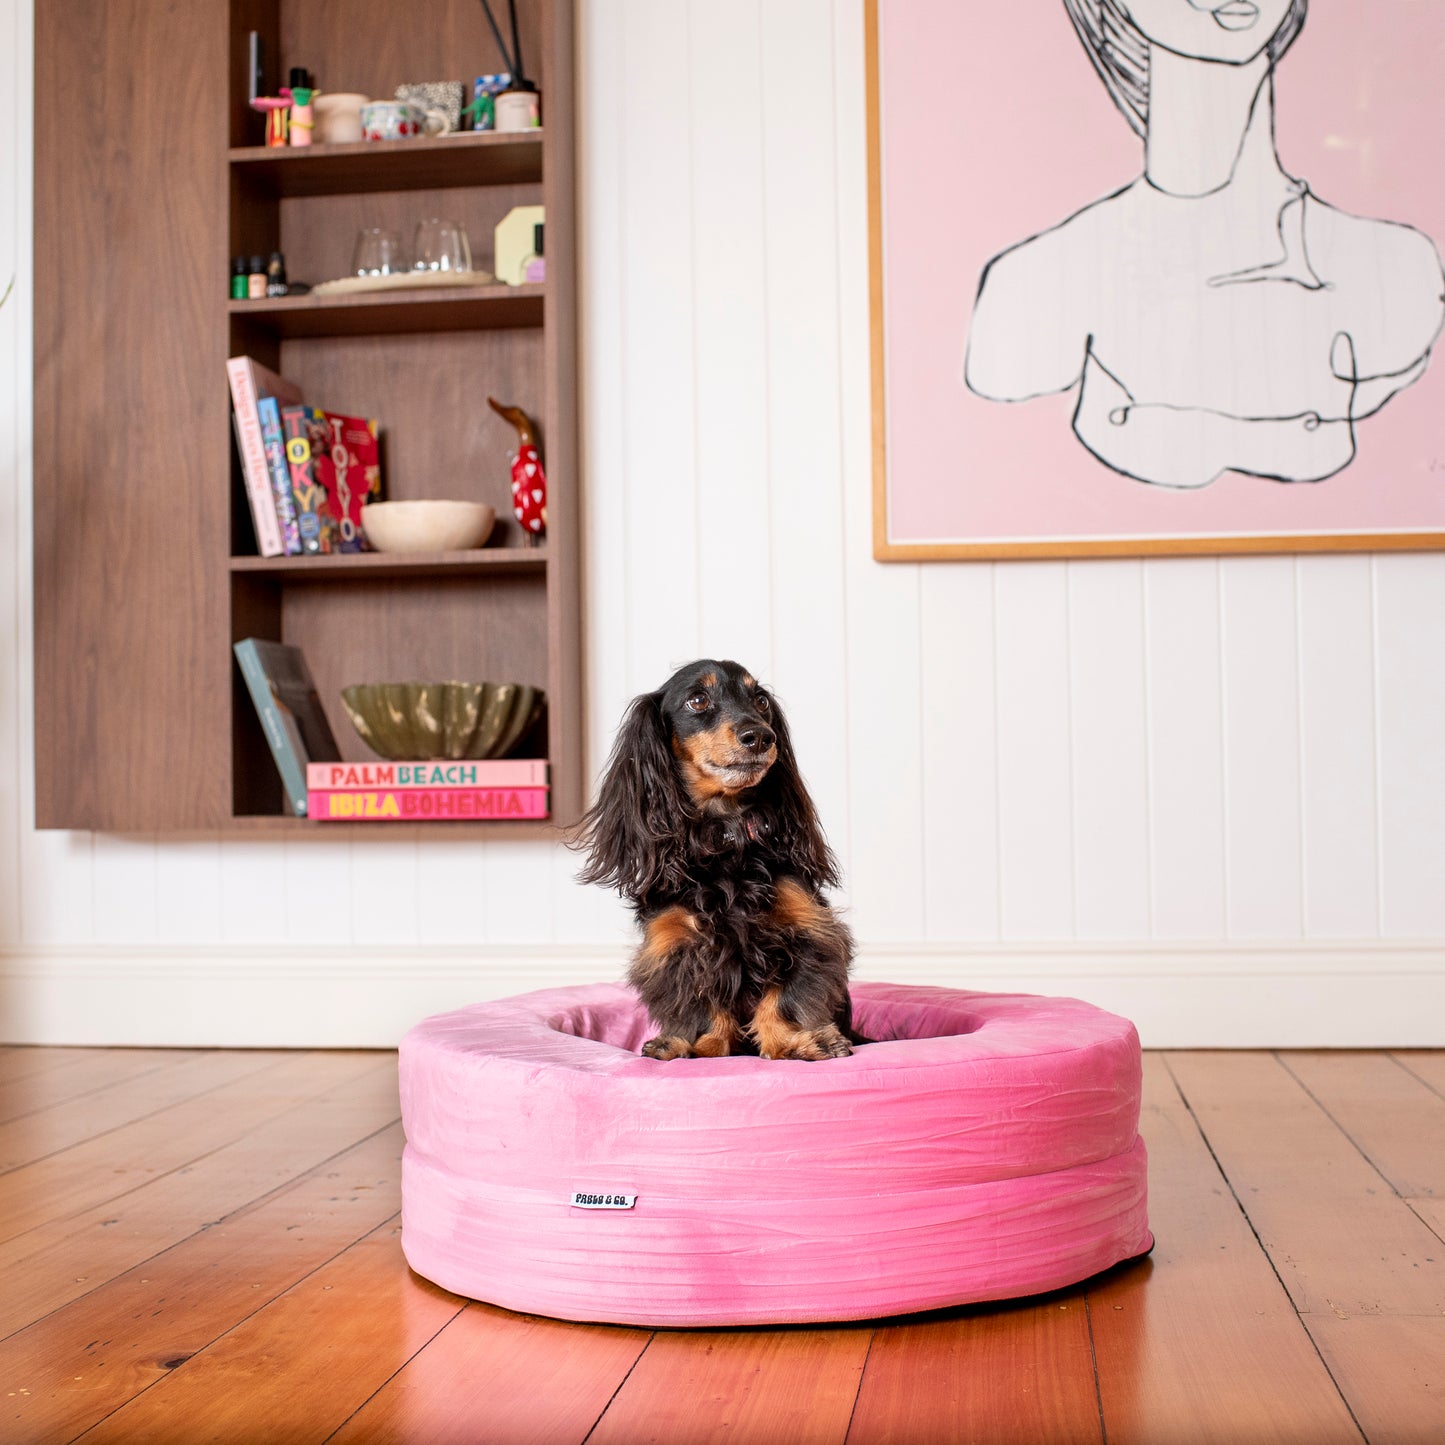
431, 526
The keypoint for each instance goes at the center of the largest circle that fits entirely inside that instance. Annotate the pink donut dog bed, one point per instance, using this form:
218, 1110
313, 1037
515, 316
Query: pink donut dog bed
987, 1147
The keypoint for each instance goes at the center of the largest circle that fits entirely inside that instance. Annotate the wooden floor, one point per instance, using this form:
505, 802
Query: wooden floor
200, 1246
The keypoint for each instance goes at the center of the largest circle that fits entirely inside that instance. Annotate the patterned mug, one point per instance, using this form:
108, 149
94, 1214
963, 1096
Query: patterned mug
401, 120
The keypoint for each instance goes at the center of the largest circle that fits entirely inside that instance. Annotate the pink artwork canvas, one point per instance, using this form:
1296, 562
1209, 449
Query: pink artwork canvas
1156, 275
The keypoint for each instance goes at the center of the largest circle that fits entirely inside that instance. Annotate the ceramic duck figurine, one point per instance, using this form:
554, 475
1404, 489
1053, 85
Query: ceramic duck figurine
529, 483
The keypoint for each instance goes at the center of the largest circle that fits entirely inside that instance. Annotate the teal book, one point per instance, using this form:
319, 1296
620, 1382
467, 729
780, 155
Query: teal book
290, 710
273, 443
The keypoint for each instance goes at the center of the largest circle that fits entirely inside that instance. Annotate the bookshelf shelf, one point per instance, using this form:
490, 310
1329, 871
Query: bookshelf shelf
369, 566
285, 825
393, 313
426, 163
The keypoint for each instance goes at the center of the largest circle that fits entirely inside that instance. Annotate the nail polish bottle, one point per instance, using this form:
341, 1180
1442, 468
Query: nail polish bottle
534, 268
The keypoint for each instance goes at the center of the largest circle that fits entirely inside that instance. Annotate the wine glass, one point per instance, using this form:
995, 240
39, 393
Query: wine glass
377, 253
441, 246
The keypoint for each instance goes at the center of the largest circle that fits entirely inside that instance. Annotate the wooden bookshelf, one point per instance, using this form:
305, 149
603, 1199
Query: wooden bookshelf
145, 564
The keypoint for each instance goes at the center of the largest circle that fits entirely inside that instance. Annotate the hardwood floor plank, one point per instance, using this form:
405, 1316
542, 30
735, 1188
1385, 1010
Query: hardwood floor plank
294, 1371
1427, 1065
1012, 1374
64, 1259
121, 1101
81, 1363
1199, 1345
122, 1160
27, 1060
744, 1387
1432, 1212
96, 1069
1394, 1119
1340, 1238
497, 1376
1392, 1371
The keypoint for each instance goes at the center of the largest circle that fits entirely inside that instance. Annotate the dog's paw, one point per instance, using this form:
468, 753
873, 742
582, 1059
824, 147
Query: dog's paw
810, 1045
666, 1046
830, 1043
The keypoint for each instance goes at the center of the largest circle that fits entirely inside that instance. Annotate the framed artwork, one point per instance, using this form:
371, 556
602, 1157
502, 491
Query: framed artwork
1156, 276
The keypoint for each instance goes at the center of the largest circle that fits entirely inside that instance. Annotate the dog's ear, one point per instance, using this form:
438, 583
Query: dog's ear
632, 834
796, 830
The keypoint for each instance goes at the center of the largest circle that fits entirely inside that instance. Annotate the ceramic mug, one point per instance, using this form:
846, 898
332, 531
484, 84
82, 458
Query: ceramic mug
400, 120
338, 117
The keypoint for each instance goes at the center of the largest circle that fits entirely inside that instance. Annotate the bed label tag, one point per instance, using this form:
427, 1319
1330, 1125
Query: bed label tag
601, 1199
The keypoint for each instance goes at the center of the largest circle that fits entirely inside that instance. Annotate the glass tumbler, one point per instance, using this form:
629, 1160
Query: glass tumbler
441, 246
377, 253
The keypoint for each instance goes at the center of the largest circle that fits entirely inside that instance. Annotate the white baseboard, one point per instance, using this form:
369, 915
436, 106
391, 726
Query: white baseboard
1368, 994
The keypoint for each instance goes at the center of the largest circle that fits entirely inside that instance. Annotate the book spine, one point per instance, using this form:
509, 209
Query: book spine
428, 805
353, 474
389, 777
274, 444
256, 474
310, 499
293, 776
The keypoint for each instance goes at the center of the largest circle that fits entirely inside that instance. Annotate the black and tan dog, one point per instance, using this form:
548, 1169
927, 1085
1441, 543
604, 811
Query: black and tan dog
704, 825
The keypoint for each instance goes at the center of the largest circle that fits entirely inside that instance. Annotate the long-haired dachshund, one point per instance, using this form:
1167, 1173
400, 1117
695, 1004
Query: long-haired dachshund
704, 825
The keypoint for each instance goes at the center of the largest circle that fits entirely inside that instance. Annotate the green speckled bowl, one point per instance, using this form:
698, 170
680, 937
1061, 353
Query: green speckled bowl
408, 722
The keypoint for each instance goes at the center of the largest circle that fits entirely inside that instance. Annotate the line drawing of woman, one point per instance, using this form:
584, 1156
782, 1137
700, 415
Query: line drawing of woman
1214, 314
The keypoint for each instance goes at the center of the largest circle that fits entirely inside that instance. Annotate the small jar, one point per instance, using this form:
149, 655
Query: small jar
519, 107
240, 278
276, 275
256, 279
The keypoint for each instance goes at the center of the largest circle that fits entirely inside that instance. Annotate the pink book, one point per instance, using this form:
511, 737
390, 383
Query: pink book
254, 470
426, 805
442, 773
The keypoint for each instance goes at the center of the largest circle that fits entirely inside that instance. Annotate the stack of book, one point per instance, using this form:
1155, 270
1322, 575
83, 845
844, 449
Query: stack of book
307, 472
431, 792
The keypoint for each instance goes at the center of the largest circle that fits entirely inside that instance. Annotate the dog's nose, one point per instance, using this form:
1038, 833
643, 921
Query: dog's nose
756, 738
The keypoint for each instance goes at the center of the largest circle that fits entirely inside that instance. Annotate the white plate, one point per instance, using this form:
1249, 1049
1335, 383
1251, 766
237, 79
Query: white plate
402, 281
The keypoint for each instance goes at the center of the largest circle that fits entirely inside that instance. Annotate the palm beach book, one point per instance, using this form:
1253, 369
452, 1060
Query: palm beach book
427, 805
439, 773
249, 380
290, 710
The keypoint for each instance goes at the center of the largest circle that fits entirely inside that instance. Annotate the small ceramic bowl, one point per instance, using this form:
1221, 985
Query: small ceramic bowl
417, 721
427, 526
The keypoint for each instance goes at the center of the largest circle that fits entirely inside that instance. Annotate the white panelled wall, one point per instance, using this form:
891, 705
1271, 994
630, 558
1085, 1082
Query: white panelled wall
1208, 793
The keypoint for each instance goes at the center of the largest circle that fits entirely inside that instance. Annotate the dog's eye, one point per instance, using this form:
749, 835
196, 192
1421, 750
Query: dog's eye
762, 704
698, 702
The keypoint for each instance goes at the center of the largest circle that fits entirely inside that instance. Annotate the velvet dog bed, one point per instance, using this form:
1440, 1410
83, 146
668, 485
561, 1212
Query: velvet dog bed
986, 1147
